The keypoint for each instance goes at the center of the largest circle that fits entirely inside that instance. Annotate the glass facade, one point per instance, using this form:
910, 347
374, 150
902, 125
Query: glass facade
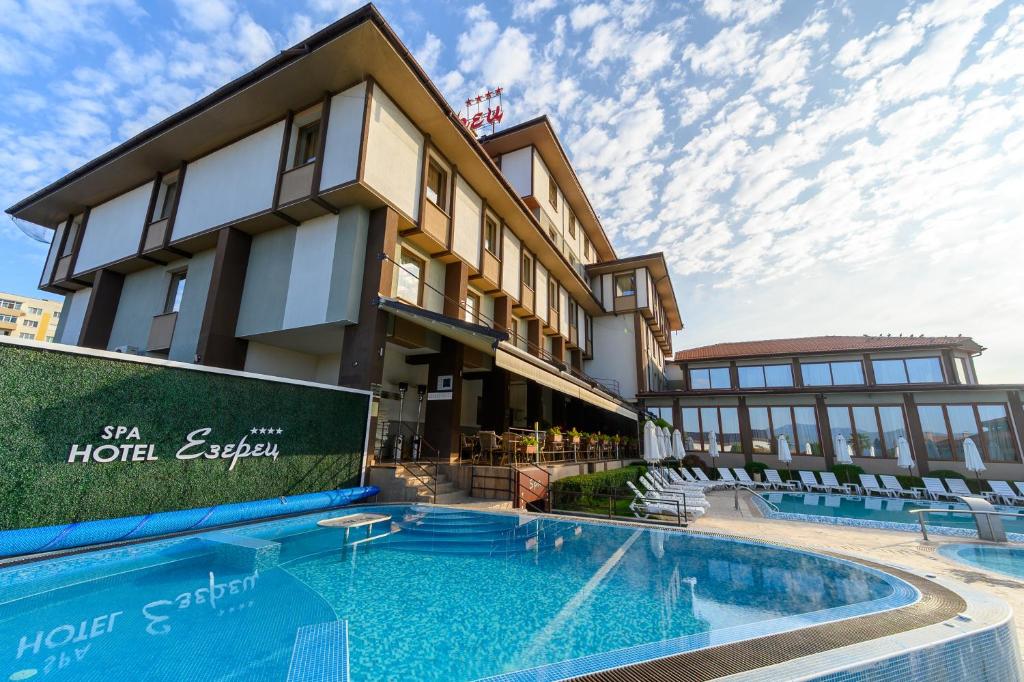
724, 422
998, 438
962, 424
765, 376
760, 430
910, 370
798, 425
848, 373
707, 378
867, 437
807, 432
869, 430
936, 433
893, 426
987, 424
730, 421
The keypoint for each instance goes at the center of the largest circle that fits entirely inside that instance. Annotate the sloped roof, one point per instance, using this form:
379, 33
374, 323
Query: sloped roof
824, 344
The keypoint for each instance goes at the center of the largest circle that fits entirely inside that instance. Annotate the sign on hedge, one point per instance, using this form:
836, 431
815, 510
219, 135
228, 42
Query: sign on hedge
89, 437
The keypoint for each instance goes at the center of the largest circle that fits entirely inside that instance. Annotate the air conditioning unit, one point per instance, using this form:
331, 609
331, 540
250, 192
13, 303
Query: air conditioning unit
129, 350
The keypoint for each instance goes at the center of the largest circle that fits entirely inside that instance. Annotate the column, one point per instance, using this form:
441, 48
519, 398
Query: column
798, 377
217, 345
534, 339
558, 347
99, 314
677, 415
534, 403
362, 355
496, 401
949, 367
456, 279
869, 370
442, 417
502, 313
827, 446
1016, 417
917, 441
746, 435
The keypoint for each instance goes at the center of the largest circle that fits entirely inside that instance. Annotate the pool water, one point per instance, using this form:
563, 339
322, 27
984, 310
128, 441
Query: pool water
449, 595
886, 510
1006, 560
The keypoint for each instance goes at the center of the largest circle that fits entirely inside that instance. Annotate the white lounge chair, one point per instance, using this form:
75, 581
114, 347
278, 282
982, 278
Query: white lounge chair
684, 477
1020, 486
892, 483
773, 478
743, 478
829, 480
810, 482
703, 478
1001, 490
692, 494
870, 485
936, 490
645, 505
957, 486
724, 474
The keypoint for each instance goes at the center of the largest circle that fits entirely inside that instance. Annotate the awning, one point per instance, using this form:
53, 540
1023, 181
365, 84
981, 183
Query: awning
471, 335
514, 361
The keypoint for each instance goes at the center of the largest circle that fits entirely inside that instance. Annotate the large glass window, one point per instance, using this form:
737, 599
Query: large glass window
175, 292
437, 185
936, 435
782, 425
410, 278
807, 435
307, 143
625, 285
760, 376
691, 428
889, 371
816, 374
713, 377
893, 426
709, 425
850, 373
995, 428
924, 370
867, 437
760, 430
962, 424
730, 430
491, 236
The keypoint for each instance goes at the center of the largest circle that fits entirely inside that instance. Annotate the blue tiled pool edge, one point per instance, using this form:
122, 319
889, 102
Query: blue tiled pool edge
953, 552
770, 513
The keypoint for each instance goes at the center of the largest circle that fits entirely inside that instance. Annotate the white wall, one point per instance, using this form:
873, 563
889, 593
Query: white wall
511, 263
466, 235
642, 288
312, 262
394, 155
541, 292
516, 167
193, 305
344, 132
73, 315
229, 184
614, 352
114, 229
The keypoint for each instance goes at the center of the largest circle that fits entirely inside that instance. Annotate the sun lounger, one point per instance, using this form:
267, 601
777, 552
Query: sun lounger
693, 494
773, 478
829, 480
1001, 490
743, 478
1020, 486
703, 478
936, 490
810, 482
870, 485
645, 505
724, 474
892, 483
957, 486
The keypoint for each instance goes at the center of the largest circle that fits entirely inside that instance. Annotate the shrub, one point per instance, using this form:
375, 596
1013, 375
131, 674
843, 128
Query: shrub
756, 468
599, 482
847, 473
946, 473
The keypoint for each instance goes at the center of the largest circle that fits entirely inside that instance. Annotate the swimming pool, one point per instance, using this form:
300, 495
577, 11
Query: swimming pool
448, 595
1006, 560
880, 512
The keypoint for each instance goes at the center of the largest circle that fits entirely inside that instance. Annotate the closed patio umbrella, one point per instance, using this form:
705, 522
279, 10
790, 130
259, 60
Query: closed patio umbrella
666, 443
713, 445
652, 450
903, 456
785, 456
842, 451
677, 445
972, 459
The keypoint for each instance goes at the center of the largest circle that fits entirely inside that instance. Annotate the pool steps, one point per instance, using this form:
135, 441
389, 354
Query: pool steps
431, 530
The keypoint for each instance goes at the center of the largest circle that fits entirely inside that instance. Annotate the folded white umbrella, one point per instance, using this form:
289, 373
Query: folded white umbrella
842, 451
677, 445
713, 445
972, 458
666, 443
785, 456
903, 456
652, 450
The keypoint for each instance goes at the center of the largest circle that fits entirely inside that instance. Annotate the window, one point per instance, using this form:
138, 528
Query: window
35, 311
911, 370
573, 314
711, 377
572, 226
996, 434
410, 278
869, 431
936, 433
9, 304
170, 191
472, 307
553, 301
175, 292
306, 143
31, 324
699, 423
49, 339
963, 371
625, 285
56, 314
527, 273
586, 248
491, 236
437, 185
761, 376
832, 373
553, 193
4, 332
25, 335
8, 318
797, 424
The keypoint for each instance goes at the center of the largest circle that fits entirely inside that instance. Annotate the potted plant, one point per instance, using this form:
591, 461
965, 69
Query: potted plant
555, 434
530, 444
574, 435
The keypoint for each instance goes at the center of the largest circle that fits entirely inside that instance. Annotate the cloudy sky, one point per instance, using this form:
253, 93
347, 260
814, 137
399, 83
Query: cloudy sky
839, 166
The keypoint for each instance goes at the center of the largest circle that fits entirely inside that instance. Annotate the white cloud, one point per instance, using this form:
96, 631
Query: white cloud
731, 51
252, 42
429, 52
585, 16
514, 46
207, 15
531, 9
752, 11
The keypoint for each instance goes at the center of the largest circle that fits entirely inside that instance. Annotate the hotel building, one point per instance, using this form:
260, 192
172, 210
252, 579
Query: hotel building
869, 389
327, 217
23, 317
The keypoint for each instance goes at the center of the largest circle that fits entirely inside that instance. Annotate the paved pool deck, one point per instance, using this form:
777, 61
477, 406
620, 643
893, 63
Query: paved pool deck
897, 548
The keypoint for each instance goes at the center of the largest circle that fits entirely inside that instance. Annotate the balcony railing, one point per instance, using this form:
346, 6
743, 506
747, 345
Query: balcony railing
160, 332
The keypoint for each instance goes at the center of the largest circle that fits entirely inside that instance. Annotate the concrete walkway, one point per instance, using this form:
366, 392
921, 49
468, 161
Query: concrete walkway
897, 548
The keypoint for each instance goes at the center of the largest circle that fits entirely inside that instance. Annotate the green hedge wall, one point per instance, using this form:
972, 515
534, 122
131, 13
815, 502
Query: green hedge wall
50, 400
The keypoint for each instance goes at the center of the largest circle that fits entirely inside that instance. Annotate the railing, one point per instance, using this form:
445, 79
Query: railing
973, 512
604, 505
609, 384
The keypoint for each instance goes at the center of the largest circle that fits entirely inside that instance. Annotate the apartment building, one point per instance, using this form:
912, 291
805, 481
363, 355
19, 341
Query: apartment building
24, 317
871, 390
326, 217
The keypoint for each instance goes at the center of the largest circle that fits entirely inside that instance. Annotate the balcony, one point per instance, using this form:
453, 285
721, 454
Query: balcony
156, 234
551, 327
63, 269
160, 333
525, 305
296, 183
489, 277
431, 234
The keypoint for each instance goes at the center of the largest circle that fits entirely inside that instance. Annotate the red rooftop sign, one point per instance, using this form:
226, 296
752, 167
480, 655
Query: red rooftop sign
491, 115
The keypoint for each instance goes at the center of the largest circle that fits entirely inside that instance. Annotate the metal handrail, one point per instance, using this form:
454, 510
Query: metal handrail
973, 512
611, 496
770, 504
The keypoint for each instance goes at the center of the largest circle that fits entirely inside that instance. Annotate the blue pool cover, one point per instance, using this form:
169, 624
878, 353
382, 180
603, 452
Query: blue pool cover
67, 536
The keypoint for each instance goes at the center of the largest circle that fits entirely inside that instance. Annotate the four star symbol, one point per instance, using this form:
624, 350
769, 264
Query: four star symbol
266, 430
